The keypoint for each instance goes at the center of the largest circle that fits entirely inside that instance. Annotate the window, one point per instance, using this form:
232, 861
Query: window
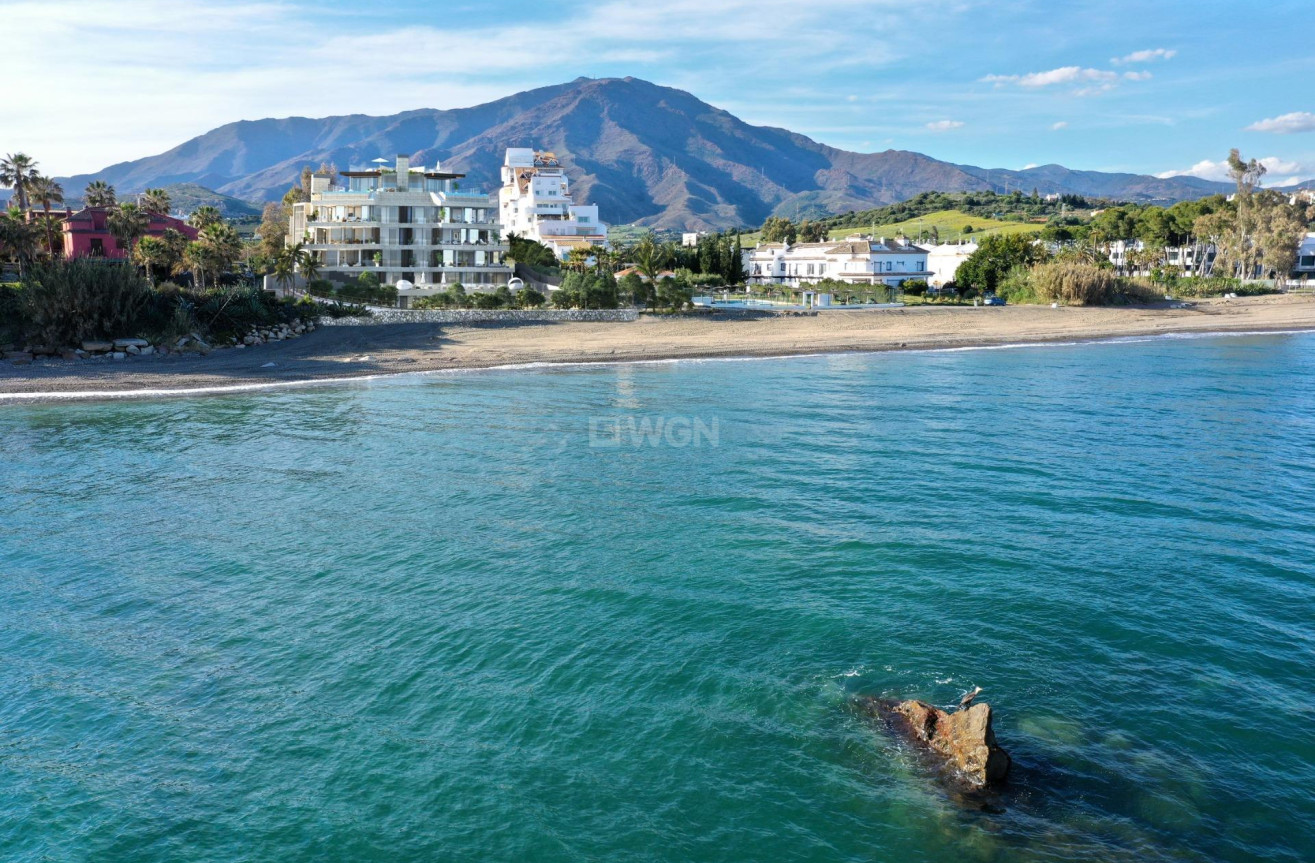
890, 266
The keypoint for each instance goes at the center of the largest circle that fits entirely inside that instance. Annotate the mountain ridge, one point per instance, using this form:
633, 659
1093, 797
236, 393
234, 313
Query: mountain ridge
643, 152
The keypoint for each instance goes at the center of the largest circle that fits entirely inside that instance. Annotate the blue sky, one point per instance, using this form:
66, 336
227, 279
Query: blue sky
1150, 87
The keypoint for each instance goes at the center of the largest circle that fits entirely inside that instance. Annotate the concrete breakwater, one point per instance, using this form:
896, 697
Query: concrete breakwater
475, 316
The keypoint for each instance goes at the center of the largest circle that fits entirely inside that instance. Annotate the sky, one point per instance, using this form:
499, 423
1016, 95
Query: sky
1112, 85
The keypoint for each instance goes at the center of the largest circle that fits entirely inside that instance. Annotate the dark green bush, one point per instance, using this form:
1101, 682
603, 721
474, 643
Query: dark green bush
12, 317
65, 302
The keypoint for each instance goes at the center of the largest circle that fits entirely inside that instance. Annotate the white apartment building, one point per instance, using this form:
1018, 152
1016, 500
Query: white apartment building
944, 260
857, 259
1183, 258
404, 224
535, 202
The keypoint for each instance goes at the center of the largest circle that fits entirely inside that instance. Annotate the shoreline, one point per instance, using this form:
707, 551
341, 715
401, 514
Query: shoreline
332, 356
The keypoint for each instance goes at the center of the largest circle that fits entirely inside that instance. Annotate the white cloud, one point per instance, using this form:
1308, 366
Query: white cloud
1030, 165
1286, 124
945, 125
1137, 76
1062, 75
1278, 172
1148, 56
1062, 124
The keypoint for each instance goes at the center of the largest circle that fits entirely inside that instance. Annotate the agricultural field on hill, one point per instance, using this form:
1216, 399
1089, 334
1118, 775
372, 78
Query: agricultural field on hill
948, 224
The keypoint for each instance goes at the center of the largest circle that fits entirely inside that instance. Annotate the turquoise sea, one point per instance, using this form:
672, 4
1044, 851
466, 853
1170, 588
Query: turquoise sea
623, 612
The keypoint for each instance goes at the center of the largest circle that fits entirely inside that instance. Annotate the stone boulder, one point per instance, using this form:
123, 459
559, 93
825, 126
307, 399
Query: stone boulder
97, 347
962, 739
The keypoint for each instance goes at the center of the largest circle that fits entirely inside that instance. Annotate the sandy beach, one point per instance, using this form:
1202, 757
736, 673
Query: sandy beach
356, 351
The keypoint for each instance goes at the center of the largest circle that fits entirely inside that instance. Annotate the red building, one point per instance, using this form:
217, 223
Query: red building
87, 236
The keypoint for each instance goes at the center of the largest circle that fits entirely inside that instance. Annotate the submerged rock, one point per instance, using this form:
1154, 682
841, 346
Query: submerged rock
963, 740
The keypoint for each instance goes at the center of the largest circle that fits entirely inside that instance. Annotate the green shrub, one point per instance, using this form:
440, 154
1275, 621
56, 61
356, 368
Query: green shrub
1217, 286
529, 298
66, 302
671, 294
1088, 285
12, 317
916, 287
1017, 288
1074, 284
488, 301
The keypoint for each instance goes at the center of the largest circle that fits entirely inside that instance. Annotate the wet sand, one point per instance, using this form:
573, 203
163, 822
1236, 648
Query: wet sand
357, 351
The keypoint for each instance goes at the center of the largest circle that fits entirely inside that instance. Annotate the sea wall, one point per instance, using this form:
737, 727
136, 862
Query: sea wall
473, 316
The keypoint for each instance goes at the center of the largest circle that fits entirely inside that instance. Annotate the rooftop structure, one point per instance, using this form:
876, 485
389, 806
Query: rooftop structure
402, 223
535, 202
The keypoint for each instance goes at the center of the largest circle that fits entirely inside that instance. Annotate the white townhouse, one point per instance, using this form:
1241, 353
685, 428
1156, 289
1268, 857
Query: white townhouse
944, 260
404, 224
535, 202
858, 260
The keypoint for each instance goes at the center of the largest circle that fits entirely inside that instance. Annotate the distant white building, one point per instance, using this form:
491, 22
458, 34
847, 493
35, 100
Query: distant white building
858, 260
535, 202
1305, 266
690, 239
944, 261
1183, 258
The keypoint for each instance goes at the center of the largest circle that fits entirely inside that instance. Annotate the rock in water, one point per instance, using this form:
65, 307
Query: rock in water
963, 738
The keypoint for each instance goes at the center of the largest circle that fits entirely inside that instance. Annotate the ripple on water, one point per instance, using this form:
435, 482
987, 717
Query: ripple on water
424, 619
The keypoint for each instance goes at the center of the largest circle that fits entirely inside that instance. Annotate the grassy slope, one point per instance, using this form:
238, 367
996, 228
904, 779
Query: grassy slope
948, 223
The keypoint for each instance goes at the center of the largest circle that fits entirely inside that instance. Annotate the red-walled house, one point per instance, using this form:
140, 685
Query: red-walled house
86, 234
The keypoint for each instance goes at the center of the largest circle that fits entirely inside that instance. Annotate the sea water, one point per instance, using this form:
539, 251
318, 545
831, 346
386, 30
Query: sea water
624, 612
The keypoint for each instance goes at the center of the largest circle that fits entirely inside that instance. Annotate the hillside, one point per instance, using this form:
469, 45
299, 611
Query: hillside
644, 153
949, 225
187, 197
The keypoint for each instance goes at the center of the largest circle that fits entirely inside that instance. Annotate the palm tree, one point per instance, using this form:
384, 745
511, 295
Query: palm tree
577, 259
196, 259
18, 237
128, 224
17, 170
152, 252
99, 194
650, 258
223, 246
155, 201
310, 266
46, 192
203, 217
285, 267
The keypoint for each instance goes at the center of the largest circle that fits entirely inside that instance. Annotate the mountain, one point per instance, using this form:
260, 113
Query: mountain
186, 197
642, 152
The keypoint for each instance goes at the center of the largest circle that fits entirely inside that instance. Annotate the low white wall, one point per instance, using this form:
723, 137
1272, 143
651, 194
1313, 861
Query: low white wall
469, 316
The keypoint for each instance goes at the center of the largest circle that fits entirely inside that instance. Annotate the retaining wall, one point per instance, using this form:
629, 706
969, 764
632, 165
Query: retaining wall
472, 316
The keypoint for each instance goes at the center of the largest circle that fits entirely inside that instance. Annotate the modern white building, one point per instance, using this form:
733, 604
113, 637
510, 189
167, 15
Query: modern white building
404, 224
944, 260
1305, 266
858, 260
1183, 258
535, 202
